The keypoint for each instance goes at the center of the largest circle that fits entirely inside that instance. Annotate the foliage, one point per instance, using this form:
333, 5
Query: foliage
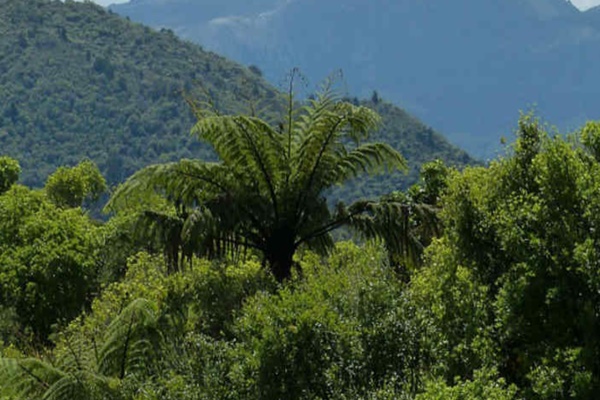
520, 257
267, 191
47, 260
456, 305
9, 173
344, 327
70, 187
484, 386
137, 330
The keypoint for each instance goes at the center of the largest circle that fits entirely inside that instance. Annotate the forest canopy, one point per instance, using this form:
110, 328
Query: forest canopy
501, 304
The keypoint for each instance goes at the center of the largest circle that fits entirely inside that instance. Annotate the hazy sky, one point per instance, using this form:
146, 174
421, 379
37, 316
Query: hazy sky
581, 4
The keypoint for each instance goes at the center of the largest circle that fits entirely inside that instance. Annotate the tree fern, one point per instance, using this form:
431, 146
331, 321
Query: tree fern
267, 191
129, 347
130, 340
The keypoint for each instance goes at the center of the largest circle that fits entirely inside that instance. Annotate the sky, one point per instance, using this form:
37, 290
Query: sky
581, 4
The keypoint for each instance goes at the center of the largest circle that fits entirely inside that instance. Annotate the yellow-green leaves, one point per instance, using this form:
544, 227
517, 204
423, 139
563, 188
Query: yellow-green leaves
69, 187
9, 173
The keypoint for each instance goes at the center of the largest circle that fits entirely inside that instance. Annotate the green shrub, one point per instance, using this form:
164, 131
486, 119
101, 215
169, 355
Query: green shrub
344, 327
485, 385
9, 173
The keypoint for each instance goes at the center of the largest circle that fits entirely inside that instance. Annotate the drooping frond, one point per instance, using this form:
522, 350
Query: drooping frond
130, 340
186, 181
69, 387
402, 227
162, 231
370, 158
214, 237
27, 378
321, 244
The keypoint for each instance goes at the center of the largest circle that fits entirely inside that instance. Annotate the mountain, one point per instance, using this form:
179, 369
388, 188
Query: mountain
79, 81
466, 66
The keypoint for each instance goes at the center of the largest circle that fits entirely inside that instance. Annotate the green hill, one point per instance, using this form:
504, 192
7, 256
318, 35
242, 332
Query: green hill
78, 81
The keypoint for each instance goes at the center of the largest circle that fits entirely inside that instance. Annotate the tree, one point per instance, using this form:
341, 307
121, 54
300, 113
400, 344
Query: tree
514, 280
48, 267
70, 187
9, 173
267, 192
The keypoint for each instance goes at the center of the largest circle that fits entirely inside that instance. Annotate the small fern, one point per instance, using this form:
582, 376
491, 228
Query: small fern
129, 347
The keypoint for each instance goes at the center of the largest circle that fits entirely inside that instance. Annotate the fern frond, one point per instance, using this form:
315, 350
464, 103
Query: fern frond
322, 149
27, 378
130, 340
243, 142
401, 226
67, 388
249, 147
186, 181
370, 158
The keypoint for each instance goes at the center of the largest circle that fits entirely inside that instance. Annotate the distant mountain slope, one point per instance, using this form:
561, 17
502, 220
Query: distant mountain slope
465, 66
77, 81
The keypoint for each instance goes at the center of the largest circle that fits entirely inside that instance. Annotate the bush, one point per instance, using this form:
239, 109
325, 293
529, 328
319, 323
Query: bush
485, 385
345, 327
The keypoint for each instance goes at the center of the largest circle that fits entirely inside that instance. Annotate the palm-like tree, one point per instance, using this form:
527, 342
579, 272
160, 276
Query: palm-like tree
267, 191
90, 371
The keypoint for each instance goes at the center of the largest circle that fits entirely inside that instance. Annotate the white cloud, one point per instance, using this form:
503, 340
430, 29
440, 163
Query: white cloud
585, 4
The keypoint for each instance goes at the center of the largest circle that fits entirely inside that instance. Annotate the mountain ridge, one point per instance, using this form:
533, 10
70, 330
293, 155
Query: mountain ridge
79, 82
466, 67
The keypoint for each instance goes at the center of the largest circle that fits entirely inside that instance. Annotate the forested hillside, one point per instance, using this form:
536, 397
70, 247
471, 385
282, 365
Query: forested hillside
77, 81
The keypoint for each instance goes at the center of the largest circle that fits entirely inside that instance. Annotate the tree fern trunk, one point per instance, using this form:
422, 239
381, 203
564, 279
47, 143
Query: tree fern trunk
280, 254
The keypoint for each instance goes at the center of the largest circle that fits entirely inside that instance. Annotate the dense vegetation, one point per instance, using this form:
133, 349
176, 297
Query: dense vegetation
503, 303
268, 191
221, 279
79, 82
